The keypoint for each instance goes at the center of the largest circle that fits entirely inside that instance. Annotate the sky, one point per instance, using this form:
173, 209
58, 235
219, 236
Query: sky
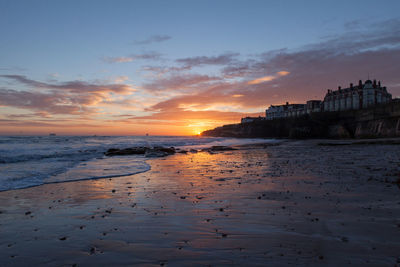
181, 67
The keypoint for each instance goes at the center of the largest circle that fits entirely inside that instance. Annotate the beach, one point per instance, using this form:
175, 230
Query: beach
306, 202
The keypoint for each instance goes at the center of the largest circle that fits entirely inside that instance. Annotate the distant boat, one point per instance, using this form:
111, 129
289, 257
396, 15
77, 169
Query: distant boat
147, 134
52, 134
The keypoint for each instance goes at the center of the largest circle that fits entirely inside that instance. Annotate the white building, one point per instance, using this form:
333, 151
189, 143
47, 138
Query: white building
274, 112
284, 111
356, 97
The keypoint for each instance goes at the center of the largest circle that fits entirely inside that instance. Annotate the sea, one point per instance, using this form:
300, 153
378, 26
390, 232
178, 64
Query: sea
27, 161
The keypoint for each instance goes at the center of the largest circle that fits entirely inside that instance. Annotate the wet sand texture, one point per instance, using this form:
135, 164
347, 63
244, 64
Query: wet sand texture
297, 203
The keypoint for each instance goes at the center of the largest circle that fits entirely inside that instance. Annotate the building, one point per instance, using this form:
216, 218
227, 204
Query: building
274, 112
251, 119
313, 106
356, 97
365, 95
284, 111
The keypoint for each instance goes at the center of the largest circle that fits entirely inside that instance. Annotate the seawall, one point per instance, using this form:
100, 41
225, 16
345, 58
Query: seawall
376, 122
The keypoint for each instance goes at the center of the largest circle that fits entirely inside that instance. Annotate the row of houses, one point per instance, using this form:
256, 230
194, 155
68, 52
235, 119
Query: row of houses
363, 95
292, 110
356, 97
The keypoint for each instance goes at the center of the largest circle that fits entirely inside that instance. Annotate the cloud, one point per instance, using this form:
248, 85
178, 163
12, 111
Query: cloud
71, 97
144, 56
41, 114
282, 73
182, 114
24, 123
304, 73
223, 59
121, 79
180, 82
153, 39
239, 69
187, 118
39, 123
268, 78
73, 86
309, 78
262, 79
118, 59
160, 70
237, 87
53, 103
187, 64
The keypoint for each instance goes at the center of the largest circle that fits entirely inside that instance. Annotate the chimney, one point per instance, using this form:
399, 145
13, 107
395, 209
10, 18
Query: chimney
339, 88
374, 83
379, 83
359, 84
287, 103
351, 85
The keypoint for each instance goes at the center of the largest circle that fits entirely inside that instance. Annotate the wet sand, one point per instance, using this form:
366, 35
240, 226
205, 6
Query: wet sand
297, 203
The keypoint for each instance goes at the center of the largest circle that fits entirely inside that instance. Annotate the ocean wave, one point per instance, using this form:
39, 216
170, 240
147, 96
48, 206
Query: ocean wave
56, 155
99, 168
33, 184
32, 161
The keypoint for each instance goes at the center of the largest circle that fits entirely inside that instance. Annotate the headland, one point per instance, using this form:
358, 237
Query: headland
363, 111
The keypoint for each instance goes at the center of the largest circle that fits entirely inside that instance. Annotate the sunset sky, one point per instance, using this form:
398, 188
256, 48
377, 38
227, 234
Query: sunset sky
181, 67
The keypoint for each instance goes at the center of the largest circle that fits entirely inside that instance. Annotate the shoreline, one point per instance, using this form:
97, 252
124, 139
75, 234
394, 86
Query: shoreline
279, 141
292, 203
123, 157
71, 181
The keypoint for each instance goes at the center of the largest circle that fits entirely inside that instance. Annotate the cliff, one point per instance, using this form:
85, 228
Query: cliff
379, 121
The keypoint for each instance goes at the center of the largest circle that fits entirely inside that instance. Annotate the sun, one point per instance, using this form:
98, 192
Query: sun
196, 132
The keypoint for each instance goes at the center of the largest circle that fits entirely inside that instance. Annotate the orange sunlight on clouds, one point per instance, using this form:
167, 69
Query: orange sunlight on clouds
269, 77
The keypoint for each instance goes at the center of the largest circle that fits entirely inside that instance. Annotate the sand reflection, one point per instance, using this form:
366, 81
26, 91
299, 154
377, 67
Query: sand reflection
296, 203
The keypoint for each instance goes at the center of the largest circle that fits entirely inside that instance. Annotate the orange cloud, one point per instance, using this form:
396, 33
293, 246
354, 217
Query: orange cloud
262, 79
269, 78
63, 98
283, 73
